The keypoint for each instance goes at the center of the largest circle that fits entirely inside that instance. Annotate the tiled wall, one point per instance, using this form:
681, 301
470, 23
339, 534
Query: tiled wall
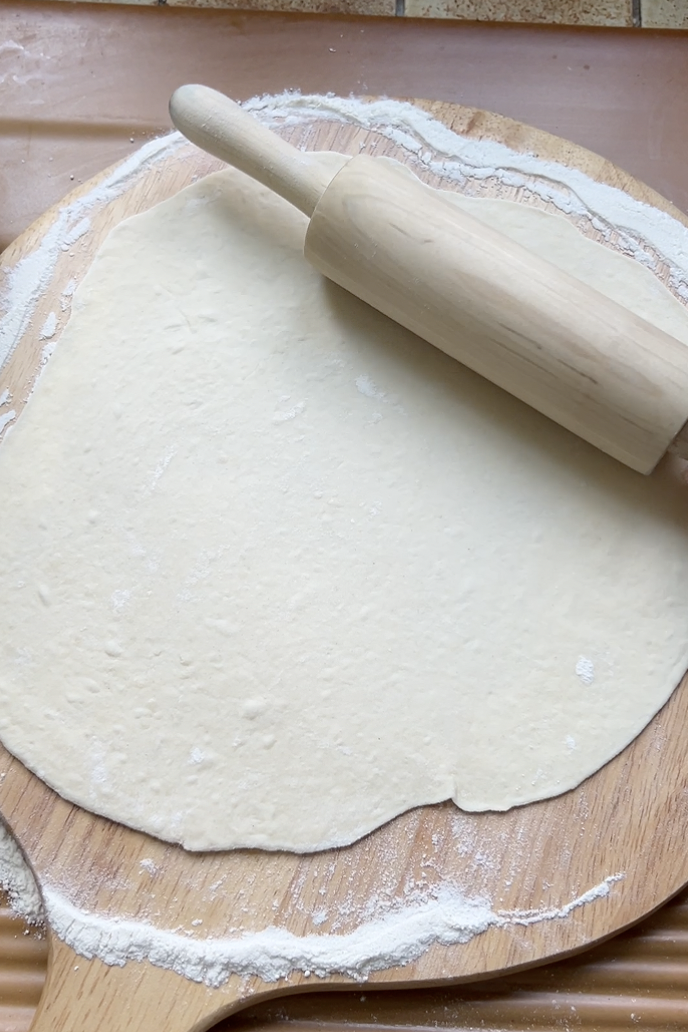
661, 14
668, 14
561, 12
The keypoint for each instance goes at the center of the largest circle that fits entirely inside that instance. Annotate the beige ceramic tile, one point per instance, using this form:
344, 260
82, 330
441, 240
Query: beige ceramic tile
664, 14
560, 12
371, 7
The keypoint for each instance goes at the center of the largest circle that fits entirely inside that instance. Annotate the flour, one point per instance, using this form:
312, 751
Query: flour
67, 295
585, 670
6, 418
447, 918
399, 936
649, 235
70, 238
644, 232
364, 385
18, 882
26, 282
49, 327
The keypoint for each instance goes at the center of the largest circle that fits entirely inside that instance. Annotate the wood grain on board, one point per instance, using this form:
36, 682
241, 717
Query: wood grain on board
627, 820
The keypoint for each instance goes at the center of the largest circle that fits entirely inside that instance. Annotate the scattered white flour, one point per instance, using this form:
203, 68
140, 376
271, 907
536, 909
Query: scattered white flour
365, 386
291, 413
18, 881
46, 351
396, 939
585, 669
49, 327
6, 418
67, 295
25, 283
642, 230
164, 462
119, 600
81, 229
609, 209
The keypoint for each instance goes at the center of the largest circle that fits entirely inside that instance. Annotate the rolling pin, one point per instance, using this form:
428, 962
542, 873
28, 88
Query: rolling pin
573, 354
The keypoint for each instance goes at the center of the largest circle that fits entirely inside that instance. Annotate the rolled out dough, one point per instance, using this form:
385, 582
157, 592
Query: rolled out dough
273, 570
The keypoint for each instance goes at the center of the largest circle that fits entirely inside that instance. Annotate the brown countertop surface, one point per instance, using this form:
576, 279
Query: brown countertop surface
641, 14
85, 84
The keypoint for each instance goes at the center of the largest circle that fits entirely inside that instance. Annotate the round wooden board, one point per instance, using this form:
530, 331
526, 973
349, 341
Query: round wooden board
628, 819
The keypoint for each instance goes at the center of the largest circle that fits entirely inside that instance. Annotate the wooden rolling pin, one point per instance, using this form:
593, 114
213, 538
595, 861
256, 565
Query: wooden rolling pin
561, 346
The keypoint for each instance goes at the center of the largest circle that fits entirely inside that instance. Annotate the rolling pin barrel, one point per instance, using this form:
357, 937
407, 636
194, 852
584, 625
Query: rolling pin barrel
560, 346
547, 338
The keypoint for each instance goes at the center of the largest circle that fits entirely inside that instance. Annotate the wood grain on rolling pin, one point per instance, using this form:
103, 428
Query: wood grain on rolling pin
569, 352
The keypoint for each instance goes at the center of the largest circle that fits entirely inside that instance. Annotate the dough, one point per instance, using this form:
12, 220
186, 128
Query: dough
273, 570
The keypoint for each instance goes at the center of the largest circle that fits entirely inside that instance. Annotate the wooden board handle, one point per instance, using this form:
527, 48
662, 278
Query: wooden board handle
221, 127
82, 995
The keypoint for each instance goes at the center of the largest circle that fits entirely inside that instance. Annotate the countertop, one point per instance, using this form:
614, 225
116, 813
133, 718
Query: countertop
85, 84
641, 14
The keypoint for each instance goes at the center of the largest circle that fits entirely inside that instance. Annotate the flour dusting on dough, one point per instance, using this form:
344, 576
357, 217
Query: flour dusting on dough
585, 670
365, 386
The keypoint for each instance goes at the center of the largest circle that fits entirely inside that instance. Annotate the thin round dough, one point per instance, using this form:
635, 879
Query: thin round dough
274, 570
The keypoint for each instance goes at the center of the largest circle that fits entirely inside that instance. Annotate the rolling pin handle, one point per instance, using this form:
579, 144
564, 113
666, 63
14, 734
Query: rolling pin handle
538, 332
220, 126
